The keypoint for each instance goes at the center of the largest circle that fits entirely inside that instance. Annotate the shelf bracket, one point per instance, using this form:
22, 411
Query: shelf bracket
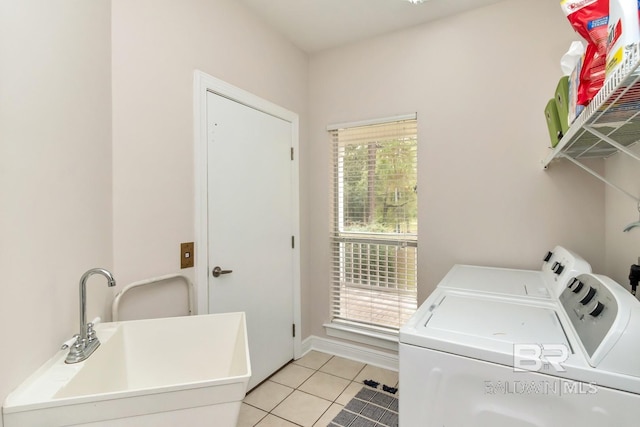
600, 177
611, 142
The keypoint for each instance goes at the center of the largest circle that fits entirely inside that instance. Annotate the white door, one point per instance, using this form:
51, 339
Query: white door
250, 223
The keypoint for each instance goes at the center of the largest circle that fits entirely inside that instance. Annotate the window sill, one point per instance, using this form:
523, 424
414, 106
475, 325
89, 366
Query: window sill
386, 340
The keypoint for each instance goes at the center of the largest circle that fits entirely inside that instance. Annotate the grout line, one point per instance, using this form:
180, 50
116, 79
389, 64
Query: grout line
327, 410
265, 416
289, 421
314, 395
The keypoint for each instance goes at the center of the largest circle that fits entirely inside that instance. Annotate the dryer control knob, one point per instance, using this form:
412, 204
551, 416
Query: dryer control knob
572, 282
589, 296
557, 268
597, 310
577, 287
548, 256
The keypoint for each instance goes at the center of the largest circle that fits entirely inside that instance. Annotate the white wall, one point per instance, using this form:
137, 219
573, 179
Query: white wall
479, 82
623, 249
55, 174
157, 45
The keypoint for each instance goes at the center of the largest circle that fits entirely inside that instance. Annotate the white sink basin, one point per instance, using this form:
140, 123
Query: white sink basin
160, 372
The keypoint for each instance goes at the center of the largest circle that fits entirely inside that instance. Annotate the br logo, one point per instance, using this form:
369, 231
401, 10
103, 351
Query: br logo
537, 357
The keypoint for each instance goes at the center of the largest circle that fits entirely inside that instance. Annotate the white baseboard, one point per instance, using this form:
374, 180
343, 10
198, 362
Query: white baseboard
351, 351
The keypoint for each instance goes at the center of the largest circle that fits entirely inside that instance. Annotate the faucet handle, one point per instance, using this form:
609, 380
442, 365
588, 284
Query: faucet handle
68, 343
91, 333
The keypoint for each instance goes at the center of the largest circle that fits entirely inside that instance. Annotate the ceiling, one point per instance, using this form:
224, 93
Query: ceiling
315, 25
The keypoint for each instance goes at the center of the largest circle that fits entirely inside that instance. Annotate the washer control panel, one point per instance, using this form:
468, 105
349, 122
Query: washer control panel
592, 308
560, 265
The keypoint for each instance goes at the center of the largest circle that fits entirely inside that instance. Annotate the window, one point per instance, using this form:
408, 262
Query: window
374, 224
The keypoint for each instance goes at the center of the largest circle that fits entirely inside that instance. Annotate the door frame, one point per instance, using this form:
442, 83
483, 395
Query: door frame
202, 84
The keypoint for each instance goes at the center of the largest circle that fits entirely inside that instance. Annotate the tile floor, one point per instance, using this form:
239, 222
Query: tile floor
309, 392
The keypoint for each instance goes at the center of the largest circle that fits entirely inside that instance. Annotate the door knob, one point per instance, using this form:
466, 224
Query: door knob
217, 271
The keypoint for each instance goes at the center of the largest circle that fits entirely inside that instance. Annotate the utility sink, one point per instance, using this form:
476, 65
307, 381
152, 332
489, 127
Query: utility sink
163, 372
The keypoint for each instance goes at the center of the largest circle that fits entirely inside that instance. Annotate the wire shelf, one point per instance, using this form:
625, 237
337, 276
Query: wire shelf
609, 124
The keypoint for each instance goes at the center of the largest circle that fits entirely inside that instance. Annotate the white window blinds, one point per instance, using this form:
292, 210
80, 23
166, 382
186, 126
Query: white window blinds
374, 224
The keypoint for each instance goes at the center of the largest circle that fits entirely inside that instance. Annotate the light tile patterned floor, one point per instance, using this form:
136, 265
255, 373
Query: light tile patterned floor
309, 392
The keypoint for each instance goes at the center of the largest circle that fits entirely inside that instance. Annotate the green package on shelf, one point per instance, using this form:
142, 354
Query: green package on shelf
553, 122
562, 103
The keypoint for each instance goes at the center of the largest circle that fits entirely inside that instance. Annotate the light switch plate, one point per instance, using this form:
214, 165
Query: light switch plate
186, 255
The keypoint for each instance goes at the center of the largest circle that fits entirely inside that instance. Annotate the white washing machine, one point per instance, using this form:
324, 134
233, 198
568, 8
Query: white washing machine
470, 359
559, 266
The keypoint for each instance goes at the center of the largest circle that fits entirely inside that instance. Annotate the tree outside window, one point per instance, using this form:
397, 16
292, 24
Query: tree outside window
375, 224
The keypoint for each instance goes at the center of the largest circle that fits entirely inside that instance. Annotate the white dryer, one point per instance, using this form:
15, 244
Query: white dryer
486, 360
559, 266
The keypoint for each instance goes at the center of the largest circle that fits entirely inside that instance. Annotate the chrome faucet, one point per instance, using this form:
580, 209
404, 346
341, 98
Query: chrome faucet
87, 340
